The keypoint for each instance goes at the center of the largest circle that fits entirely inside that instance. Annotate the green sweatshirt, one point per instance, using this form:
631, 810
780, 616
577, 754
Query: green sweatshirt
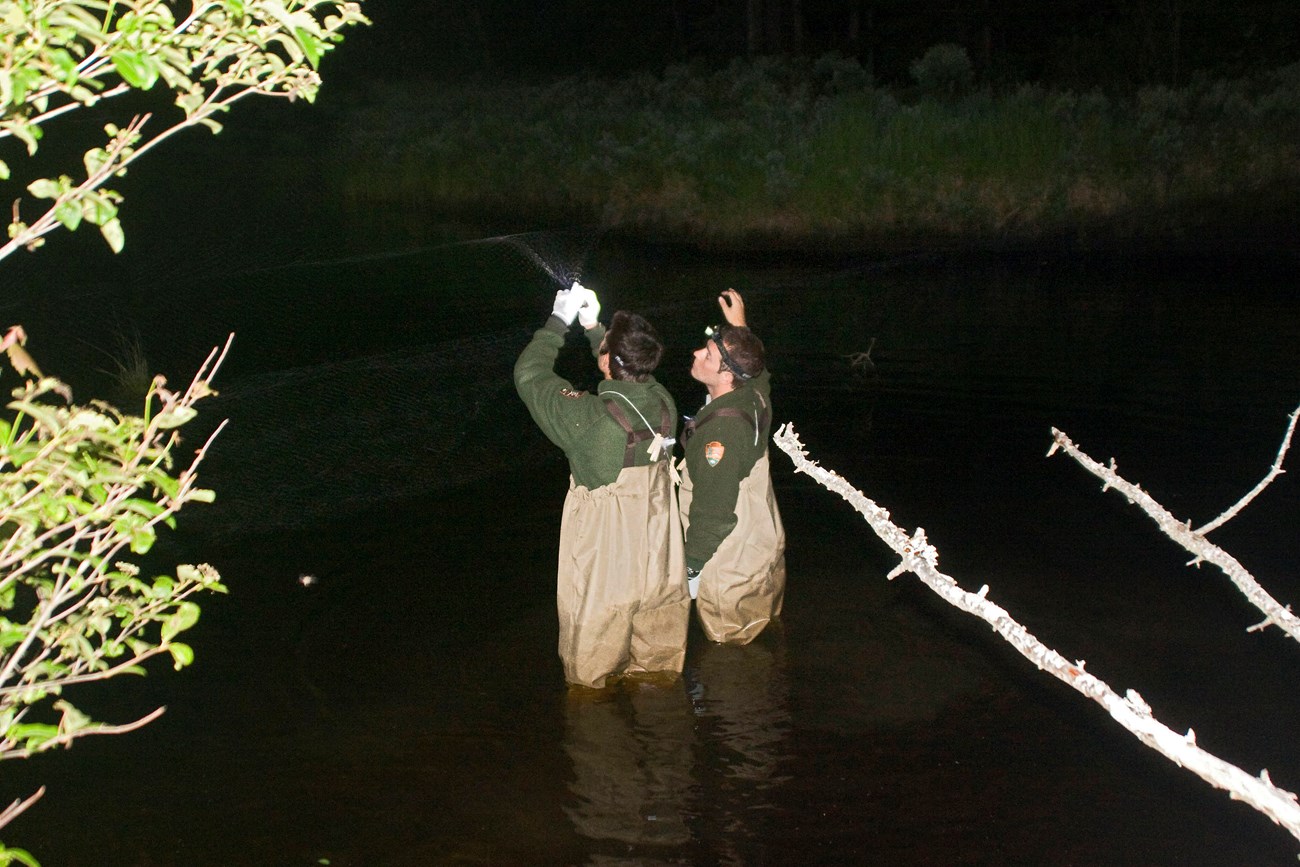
736, 447
579, 422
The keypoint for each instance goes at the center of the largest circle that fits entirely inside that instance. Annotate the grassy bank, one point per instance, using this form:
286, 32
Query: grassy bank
773, 152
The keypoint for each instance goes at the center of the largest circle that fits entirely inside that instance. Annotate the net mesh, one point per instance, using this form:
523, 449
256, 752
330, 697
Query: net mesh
316, 443
359, 379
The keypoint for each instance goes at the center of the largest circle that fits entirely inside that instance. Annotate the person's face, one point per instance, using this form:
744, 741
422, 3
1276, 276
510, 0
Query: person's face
602, 360
707, 366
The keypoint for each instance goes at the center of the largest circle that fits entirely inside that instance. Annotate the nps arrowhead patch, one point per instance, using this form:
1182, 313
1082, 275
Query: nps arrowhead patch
713, 452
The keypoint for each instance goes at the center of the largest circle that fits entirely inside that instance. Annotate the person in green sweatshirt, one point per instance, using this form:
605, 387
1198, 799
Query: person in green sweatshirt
735, 541
621, 588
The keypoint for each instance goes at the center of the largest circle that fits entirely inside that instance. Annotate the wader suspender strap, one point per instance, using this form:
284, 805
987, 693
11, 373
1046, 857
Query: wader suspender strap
760, 420
636, 437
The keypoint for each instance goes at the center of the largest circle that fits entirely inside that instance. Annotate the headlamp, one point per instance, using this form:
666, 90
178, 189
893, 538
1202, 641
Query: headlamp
714, 333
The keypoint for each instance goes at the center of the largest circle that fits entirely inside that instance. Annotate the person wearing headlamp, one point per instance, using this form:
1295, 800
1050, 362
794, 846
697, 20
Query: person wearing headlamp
735, 541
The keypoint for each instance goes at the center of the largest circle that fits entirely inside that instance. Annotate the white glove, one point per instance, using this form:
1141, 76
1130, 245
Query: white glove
693, 582
589, 312
567, 302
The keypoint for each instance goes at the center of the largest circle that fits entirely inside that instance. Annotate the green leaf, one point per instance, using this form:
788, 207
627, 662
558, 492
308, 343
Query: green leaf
35, 734
185, 616
64, 63
4, 171
113, 234
165, 483
44, 189
28, 135
99, 207
95, 159
202, 495
142, 539
136, 68
72, 719
148, 508
69, 214
190, 101
175, 417
47, 417
182, 654
311, 45
9, 855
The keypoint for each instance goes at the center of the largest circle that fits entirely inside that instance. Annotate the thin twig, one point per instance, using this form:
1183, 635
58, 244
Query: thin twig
67, 737
16, 809
1273, 472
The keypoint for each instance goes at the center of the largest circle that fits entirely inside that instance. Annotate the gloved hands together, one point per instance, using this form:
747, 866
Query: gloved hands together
576, 302
693, 582
589, 312
567, 302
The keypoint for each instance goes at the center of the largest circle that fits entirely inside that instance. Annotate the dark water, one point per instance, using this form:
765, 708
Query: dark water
409, 708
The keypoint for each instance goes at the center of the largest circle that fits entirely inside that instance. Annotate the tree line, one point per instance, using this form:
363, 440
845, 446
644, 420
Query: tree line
1071, 43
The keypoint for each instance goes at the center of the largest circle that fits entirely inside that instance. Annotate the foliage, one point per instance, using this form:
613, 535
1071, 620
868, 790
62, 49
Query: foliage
83, 490
62, 55
789, 151
944, 71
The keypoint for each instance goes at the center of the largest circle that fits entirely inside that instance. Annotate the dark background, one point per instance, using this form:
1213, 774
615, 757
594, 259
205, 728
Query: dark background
1078, 44
407, 709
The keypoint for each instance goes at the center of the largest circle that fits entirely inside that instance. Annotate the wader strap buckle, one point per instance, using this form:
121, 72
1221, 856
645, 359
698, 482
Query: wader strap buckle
636, 437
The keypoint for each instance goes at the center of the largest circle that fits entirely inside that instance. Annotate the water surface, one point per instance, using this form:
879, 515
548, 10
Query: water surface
408, 707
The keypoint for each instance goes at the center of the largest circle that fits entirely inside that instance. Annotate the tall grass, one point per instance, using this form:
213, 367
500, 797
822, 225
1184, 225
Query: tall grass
771, 149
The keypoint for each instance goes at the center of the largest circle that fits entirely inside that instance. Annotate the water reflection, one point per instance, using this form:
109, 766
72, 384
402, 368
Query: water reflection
683, 770
631, 745
741, 698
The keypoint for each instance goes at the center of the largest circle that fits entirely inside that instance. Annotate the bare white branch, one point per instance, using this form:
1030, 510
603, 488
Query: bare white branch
1273, 472
1130, 711
1181, 532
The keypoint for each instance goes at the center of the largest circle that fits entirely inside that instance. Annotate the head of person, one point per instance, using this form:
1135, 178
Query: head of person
731, 356
631, 349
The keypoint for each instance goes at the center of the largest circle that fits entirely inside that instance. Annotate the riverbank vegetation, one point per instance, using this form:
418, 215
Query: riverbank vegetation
813, 154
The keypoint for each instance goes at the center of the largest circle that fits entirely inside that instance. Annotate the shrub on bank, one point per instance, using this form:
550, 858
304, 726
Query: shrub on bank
789, 150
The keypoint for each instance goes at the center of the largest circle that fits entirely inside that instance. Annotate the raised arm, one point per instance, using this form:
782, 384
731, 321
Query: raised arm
733, 307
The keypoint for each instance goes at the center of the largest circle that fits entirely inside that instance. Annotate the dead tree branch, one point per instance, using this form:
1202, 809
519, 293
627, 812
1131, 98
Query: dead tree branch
1273, 472
921, 558
1193, 540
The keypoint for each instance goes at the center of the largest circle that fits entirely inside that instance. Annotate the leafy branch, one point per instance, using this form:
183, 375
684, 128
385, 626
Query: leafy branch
82, 489
57, 56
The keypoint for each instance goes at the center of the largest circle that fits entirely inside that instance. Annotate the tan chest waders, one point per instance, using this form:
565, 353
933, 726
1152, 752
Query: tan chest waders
621, 593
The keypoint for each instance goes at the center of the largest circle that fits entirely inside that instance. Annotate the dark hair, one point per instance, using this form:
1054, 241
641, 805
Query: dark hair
634, 347
744, 350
